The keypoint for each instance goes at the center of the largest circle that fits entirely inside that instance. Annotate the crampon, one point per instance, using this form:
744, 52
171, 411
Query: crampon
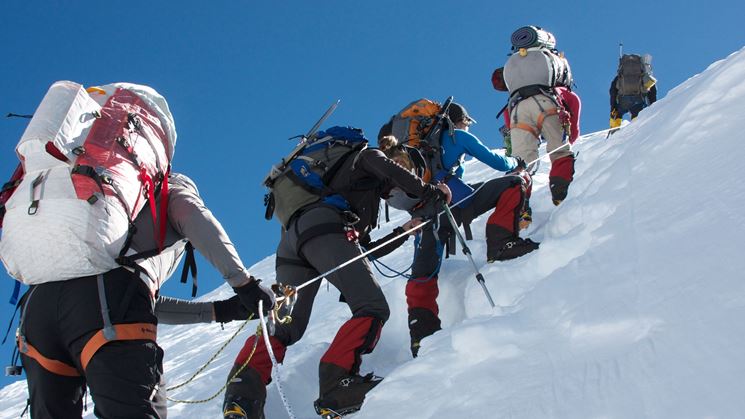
327, 413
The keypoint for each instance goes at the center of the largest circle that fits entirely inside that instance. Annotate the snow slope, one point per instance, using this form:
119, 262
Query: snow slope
633, 307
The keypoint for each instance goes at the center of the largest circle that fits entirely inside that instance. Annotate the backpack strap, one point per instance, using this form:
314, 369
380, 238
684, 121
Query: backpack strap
129, 261
190, 264
501, 111
8, 188
101, 179
16, 292
318, 230
327, 177
135, 125
163, 219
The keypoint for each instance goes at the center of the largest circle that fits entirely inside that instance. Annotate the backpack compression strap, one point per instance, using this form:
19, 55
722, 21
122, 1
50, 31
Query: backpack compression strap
8, 188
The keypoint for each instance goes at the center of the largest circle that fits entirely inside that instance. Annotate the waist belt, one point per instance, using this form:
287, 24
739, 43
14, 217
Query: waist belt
528, 91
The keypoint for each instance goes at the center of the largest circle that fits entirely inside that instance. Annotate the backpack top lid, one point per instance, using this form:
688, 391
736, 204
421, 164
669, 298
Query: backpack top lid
337, 133
413, 123
151, 97
630, 64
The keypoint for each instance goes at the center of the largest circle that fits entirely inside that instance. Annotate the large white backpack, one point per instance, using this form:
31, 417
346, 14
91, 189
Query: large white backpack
92, 160
536, 66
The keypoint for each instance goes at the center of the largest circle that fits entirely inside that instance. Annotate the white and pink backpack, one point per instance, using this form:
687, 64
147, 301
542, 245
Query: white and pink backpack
91, 159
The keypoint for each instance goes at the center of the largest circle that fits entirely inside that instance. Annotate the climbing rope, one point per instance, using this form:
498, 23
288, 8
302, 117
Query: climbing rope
394, 273
288, 299
292, 296
224, 345
243, 366
275, 365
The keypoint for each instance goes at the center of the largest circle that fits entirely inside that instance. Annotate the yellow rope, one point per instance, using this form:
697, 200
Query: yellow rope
213, 356
243, 366
282, 320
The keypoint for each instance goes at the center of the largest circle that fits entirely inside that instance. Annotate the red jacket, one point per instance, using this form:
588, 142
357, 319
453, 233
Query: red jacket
574, 106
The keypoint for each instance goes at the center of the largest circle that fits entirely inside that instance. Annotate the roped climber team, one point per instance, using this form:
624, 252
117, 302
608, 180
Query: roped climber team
326, 195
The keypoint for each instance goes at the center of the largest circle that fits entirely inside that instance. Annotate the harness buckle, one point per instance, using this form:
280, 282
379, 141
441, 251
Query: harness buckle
352, 234
350, 219
12, 370
33, 208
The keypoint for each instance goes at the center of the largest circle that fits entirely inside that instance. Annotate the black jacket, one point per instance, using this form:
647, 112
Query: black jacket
368, 177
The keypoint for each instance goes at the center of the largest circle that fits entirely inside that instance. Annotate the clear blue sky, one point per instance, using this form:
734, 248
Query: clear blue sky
243, 76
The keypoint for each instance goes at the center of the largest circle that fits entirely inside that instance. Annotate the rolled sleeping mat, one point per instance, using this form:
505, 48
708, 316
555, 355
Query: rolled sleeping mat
532, 36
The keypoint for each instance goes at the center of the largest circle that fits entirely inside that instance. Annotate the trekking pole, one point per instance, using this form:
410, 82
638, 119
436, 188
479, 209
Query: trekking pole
467, 252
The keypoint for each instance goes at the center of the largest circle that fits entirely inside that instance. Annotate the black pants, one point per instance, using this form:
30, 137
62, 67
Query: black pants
300, 260
428, 254
124, 377
630, 104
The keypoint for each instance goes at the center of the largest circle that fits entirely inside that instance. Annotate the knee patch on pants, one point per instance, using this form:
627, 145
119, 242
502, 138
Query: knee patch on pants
422, 293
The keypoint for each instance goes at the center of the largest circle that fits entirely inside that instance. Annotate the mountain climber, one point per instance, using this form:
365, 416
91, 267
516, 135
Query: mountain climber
318, 238
504, 196
68, 348
632, 89
542, 105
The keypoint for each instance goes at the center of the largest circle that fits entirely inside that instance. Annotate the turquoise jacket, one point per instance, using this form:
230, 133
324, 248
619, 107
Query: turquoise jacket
461, 143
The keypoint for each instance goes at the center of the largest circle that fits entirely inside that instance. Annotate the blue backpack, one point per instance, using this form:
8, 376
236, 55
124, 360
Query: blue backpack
303, 178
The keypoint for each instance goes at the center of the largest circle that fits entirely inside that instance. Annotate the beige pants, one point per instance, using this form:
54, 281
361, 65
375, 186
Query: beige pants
533, 117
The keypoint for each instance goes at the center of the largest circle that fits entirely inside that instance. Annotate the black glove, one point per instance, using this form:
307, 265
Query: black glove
520, 163
253, 292
230, 309
442, 197
432, 202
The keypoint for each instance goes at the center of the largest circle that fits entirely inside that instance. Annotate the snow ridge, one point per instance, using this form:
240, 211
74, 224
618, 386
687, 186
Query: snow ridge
631, 308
